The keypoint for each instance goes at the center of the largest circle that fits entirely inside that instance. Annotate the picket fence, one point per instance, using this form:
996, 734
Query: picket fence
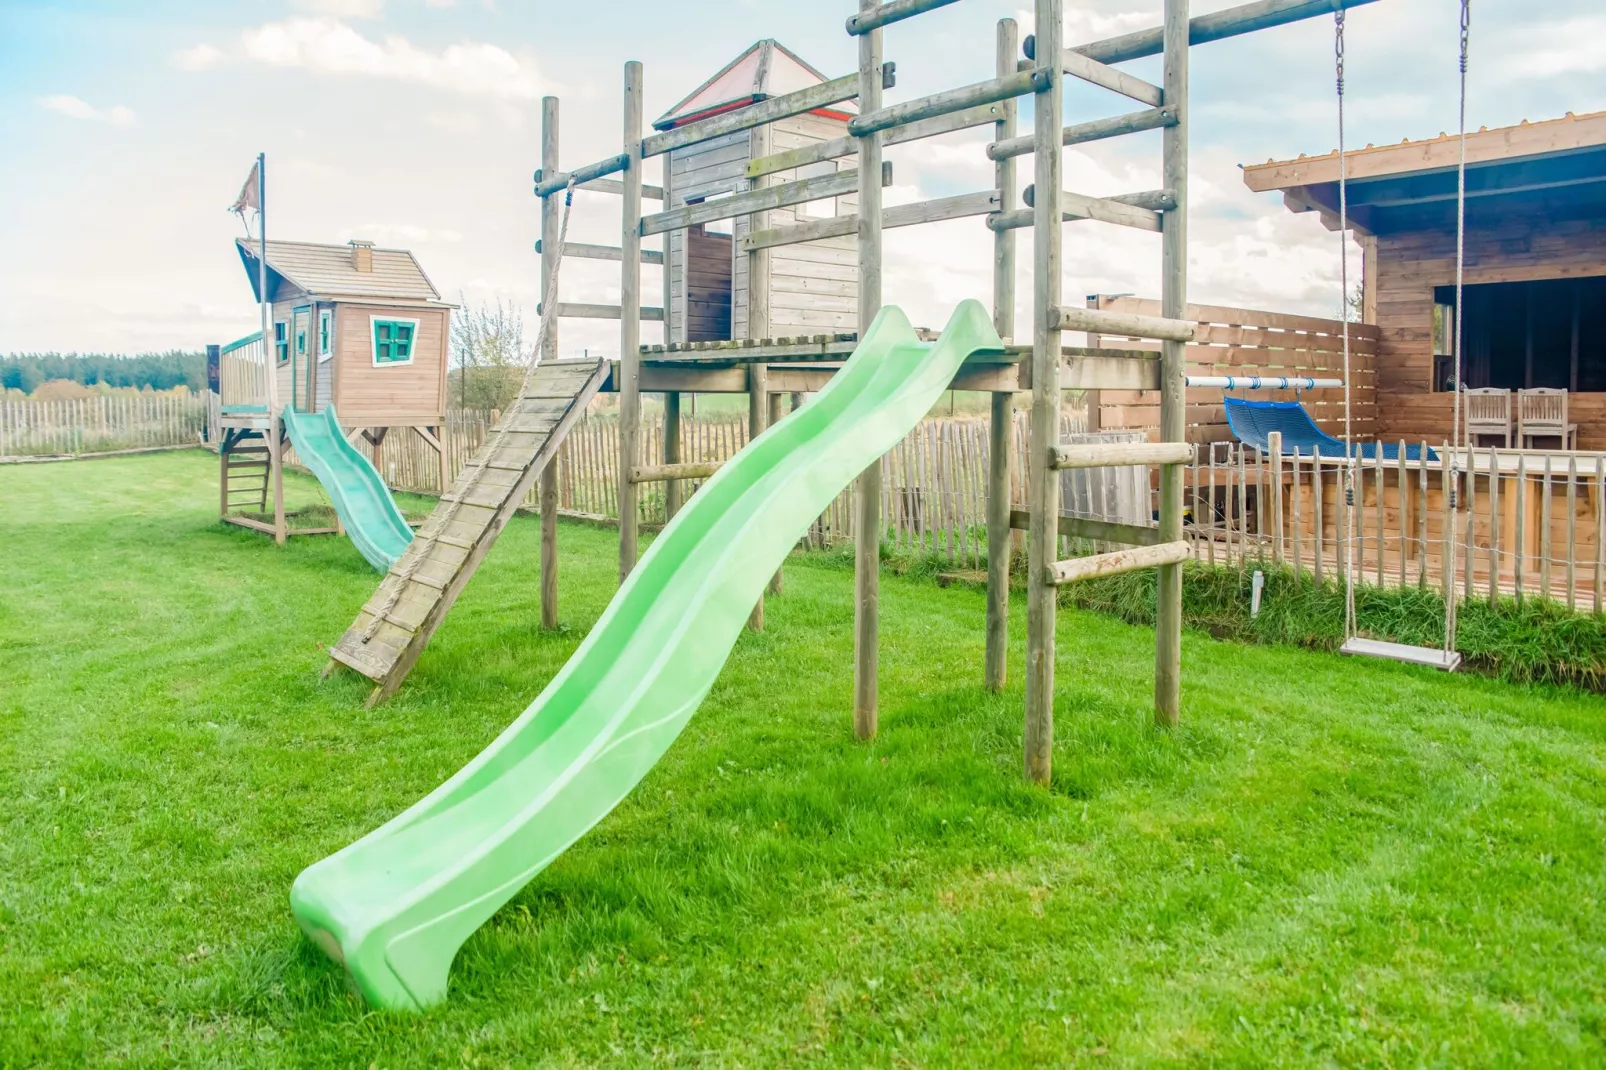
72, 427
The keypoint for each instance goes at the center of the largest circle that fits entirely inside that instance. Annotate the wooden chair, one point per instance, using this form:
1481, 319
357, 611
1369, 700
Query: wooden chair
1488, 412
1542, 413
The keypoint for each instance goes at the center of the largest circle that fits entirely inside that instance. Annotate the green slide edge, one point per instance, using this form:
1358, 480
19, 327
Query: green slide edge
369, 514
395, 906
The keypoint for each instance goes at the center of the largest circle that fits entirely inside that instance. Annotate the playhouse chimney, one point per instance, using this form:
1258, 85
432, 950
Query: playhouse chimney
362, 255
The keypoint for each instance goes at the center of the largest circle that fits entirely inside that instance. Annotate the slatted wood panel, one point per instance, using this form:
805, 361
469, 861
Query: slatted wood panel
396, 623
123, 421
1237, 341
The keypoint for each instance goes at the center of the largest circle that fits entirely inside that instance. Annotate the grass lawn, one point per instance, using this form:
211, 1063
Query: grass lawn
1330, 862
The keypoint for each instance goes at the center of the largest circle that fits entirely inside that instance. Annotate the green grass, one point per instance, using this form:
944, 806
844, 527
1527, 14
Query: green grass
1330, 862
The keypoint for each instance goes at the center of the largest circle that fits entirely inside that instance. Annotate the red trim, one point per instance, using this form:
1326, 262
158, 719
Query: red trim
737, 105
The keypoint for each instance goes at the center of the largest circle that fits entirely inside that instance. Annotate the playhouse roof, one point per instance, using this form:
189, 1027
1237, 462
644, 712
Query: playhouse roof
328, 271
767, 69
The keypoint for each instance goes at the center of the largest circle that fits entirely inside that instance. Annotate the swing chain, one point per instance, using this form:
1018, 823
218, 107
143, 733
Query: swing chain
1466, 31
1338, 46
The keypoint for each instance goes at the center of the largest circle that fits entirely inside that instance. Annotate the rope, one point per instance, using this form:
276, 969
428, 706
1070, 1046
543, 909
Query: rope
1460, 264
1344, 313
549, 317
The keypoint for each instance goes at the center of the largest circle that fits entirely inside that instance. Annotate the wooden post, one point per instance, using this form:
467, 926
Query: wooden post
1173, 355
630, 320
758, 322
1274, 445
222, 471
1047, 284
867, 537
999, 426
672, 489
275, 438
550, 225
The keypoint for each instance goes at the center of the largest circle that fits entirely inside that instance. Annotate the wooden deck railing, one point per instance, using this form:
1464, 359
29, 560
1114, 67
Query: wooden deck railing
243, 375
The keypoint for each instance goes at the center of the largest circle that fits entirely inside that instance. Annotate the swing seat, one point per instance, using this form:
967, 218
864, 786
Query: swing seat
1431, 656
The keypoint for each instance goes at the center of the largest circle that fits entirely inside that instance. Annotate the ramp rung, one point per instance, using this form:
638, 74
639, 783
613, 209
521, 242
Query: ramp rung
1112, 564
1109, 454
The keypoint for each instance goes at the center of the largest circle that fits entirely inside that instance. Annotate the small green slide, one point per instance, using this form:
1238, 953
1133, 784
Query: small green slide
395, 906
365, 507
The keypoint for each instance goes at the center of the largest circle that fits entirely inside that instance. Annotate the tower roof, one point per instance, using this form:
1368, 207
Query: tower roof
767, 69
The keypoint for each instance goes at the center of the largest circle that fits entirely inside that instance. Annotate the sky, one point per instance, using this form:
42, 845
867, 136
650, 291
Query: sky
128, 128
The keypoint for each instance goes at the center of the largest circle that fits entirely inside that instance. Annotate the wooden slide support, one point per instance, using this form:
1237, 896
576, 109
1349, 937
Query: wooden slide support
395, 625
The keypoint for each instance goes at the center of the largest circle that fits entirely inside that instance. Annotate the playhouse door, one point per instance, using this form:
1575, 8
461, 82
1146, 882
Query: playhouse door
303, 373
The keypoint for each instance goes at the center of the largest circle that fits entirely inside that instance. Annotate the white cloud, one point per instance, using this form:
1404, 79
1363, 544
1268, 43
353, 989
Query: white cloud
199, 58
1082, 25
1550, 49
343, 9
77, 108
400, 234
329, 46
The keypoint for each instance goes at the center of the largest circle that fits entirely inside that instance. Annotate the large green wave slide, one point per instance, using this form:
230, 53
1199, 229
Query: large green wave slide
363, 502
395, 906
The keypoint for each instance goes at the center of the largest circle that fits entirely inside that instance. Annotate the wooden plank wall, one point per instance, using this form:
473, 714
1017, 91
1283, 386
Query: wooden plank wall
411, 394
1240, 341
696, 173
1410, 265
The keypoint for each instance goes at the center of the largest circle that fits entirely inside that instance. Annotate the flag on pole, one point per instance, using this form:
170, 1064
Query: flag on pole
250, 193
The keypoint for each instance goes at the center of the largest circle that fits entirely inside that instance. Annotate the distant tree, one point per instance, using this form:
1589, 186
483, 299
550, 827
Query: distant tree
156, 371
489, 354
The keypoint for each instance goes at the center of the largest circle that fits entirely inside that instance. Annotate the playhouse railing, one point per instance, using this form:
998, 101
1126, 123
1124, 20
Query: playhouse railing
243, 376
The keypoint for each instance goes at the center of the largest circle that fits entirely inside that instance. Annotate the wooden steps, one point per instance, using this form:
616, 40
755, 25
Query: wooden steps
395, 625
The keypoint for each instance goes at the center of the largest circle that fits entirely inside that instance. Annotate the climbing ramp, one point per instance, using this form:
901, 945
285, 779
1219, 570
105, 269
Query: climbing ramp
396, 623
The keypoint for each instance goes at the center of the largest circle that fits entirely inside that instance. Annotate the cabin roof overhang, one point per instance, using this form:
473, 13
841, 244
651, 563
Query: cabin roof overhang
326, 273
1554, 170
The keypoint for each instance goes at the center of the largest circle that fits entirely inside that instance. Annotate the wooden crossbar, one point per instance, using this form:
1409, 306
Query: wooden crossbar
1075, 207
601, 312
546, 186
1092, 71
1093, 130
991, 91
837, 147
614, 186
662, 473
1116, 562
1121, 324
902, 215
603, 252
890, 12
1081, 527
1110, 454
759, 200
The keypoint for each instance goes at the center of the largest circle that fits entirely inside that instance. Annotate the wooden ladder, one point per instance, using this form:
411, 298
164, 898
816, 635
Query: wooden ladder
396, 623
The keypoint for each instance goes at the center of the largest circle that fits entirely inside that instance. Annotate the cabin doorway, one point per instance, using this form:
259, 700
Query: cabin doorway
303, 361
1520, 335
709, 283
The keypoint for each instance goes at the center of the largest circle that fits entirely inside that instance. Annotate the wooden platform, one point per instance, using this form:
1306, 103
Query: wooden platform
1432, 657
397, 622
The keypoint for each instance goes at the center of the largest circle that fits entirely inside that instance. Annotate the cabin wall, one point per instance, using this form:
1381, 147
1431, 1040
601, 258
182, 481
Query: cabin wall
1410, 265
389, 396
286, 299
813, 286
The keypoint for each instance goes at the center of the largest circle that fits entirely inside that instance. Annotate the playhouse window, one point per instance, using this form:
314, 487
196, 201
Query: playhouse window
281, 342
821, 209
393, 341
326, 331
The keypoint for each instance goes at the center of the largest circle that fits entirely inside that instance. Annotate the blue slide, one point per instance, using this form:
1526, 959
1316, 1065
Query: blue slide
1252, 423
360, 497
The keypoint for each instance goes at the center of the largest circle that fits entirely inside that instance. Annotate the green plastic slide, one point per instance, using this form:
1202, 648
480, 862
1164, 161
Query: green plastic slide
365, 506
395, 906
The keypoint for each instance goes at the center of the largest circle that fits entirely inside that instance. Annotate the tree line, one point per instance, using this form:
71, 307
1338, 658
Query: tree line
159, 371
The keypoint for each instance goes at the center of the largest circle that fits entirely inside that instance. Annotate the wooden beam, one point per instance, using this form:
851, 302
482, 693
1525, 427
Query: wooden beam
631, 314
1001, 422
949, 100
602, 312
758, 200
984, 202
584, 251
1076, 527
1076, 207
890, 12
1093, 130
1123, 324
1113, 564
614, 186
836, 148
764, 112
1216, 26
867, 534
559, 181
1115, 454
1106, 77
663, 473
779, 349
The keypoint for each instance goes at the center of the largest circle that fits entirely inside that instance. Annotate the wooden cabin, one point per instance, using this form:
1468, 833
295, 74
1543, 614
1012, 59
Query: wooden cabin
809, 288
1535, 267
361, 327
